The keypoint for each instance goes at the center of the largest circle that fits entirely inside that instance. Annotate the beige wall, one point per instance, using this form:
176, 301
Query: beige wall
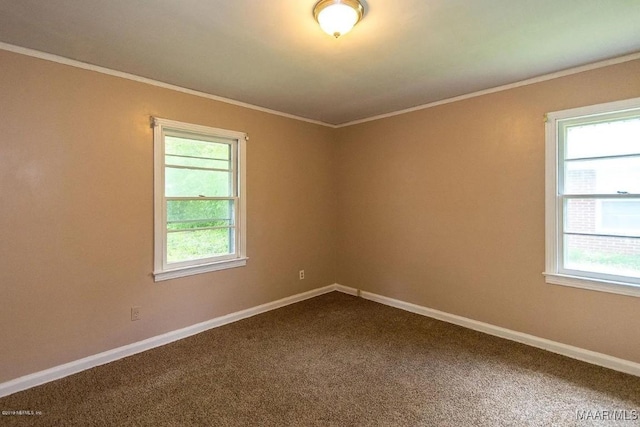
444, 208
76, 187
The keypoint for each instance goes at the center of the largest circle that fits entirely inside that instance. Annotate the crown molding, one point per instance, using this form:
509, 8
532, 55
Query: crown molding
533, 80
103, 70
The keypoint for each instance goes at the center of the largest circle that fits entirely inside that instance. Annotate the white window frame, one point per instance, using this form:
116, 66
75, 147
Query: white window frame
555, 273
162, 269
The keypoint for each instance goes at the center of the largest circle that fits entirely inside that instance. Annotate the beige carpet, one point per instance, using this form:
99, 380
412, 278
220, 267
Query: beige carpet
335, 360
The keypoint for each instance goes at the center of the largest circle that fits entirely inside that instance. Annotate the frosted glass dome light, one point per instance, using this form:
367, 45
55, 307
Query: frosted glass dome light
337, 17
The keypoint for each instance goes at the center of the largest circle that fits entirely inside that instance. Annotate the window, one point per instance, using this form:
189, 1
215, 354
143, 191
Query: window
199, 192
593, 197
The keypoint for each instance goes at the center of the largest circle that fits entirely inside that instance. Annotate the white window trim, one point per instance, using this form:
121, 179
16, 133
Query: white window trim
554, 208
161, 271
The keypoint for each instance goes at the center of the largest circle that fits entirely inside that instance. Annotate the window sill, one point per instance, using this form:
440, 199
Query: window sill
620, 288
198, 269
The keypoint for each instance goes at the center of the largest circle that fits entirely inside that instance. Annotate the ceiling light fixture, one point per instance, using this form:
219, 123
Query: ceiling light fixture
337, 17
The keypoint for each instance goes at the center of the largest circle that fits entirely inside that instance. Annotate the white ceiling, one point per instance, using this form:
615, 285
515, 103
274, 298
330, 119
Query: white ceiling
273, 54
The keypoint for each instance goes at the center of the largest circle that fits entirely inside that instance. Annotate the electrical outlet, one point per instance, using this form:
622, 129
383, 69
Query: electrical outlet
301, 274
135, 313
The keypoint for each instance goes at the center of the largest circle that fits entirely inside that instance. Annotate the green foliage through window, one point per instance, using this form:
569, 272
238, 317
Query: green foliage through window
196, 226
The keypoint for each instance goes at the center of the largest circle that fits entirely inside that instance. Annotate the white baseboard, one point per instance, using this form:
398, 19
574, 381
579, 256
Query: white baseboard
346, 290
89, 362
588, 356
61, 371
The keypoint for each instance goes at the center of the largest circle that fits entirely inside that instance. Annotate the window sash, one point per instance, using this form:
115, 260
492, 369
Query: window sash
563, 197
563, 232
204, 260
233, 190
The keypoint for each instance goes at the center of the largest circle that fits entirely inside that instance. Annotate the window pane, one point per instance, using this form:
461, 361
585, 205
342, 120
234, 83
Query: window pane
608, 255
603, 216
197, 224
603, 139
604, 176
190, 245
620, 217
195, 210
196, 148
202, 154
197, 162
194, 183
580, 215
